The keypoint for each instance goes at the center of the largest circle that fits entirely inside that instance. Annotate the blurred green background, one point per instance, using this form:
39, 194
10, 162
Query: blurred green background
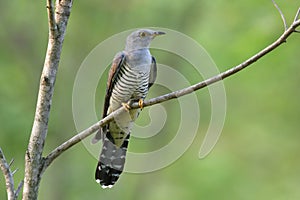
257, 155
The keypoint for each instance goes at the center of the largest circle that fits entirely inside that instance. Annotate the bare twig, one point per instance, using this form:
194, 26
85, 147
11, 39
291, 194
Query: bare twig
17, 192
9, 181
15, 171
297, 15
77, 138
11, 162
297, 18
281, 14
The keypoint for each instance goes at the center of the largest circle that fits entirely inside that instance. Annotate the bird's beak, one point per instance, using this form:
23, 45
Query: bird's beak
156, 33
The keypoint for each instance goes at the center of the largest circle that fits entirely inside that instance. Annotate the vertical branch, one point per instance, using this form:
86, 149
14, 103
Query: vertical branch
33, 159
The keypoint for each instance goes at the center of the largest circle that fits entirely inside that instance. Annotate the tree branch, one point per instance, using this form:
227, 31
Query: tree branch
33, 158
19, 189
281, 14
77, 138
8, 176
297, 18
9, 181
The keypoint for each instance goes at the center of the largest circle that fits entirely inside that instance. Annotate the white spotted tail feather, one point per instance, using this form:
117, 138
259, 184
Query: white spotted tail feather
111, 162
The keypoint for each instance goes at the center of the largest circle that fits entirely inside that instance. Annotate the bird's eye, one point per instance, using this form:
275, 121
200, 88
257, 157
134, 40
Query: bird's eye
142, 34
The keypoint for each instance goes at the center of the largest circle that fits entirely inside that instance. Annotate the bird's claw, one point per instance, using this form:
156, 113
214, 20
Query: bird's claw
126, 106
141, 103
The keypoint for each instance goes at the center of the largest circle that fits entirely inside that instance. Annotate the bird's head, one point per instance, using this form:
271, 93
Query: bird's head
141, 39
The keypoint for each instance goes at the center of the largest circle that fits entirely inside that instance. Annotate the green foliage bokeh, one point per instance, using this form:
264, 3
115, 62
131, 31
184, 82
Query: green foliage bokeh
257, 155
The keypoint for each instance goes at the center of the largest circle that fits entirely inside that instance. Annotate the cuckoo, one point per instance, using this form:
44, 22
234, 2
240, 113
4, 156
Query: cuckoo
132, 73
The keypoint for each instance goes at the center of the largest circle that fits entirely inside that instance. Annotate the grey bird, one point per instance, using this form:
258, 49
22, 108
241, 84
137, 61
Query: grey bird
132, 73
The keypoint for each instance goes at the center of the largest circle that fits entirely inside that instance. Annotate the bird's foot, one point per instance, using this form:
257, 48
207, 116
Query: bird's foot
141, 103
126, 106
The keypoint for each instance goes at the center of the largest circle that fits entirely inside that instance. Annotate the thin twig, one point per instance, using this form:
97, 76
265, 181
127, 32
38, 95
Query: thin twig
297, 15
17, 192
77, 138
15, 171
9, 181
297, 18
11, 162
281, 14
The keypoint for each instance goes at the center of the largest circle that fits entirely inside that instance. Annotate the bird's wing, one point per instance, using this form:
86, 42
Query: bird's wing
153, 72
112, 75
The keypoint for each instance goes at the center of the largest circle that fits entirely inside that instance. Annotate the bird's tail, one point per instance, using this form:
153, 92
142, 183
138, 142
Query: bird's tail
111, 161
